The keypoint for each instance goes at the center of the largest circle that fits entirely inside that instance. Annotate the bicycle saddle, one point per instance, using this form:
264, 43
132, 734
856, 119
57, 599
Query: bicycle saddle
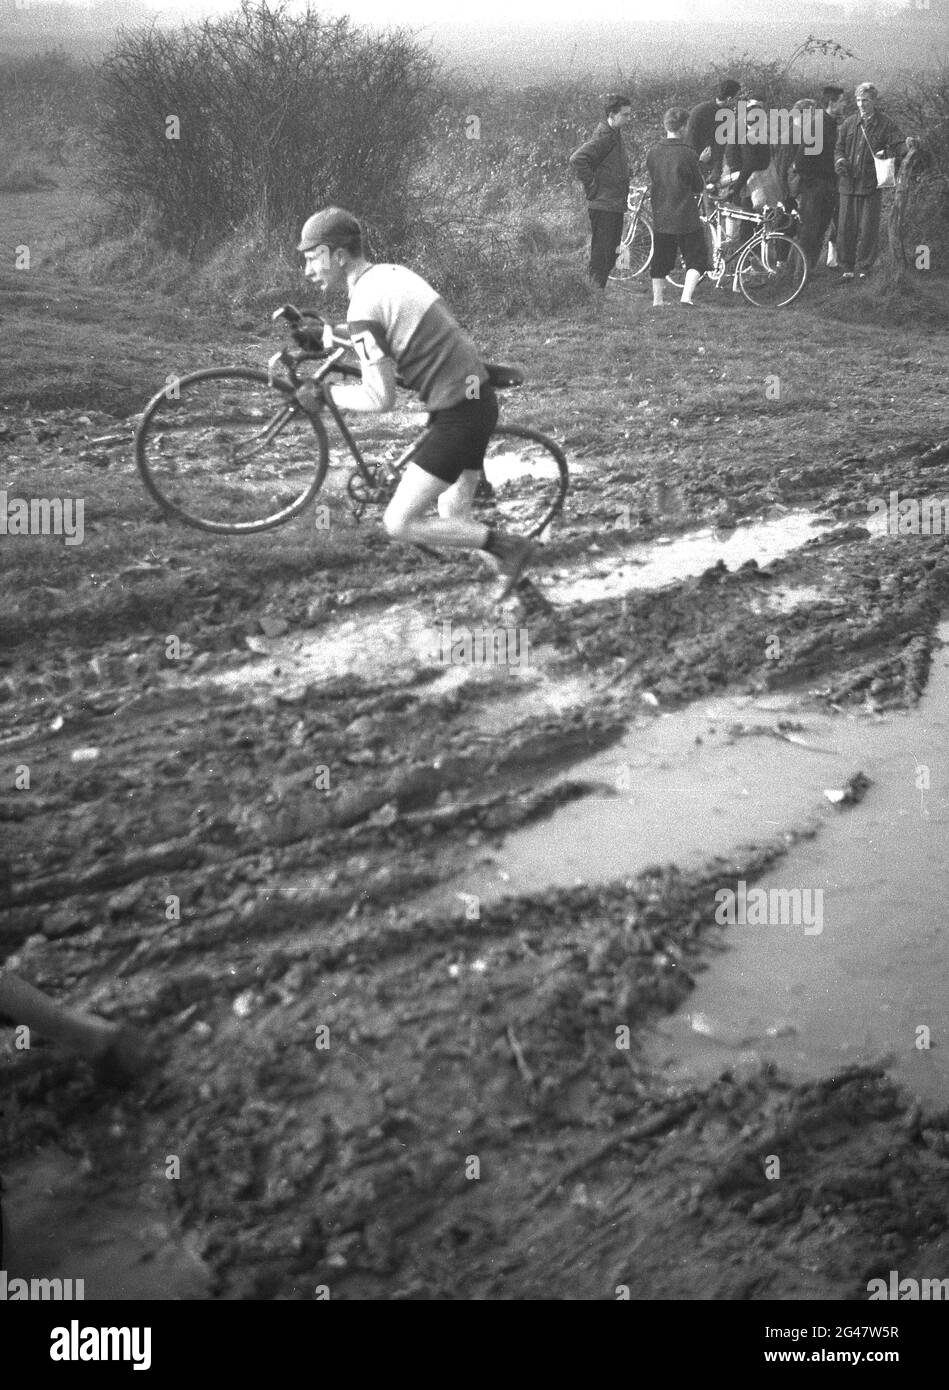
500, 375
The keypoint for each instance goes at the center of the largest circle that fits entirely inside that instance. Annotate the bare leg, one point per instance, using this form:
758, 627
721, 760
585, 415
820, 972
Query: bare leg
417, 493
458, 500
692, 278
415, 496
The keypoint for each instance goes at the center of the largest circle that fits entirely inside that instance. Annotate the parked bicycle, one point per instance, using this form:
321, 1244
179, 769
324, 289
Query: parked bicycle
635, 248
769, 267
232, 450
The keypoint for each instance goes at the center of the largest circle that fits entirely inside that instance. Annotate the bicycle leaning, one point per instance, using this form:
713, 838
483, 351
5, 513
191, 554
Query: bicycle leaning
635, 248
769, 267
233, 450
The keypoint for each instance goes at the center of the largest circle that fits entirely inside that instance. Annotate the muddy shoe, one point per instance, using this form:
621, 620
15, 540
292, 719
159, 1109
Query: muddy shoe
513, 555
125, 1059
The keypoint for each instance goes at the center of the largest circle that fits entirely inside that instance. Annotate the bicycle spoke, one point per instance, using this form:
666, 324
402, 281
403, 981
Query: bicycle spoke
225, 451
635, 249
772, 271
526, 476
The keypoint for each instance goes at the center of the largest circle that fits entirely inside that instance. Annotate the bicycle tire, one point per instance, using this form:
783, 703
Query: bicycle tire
207, 414
528, 481
771, 271
635, 249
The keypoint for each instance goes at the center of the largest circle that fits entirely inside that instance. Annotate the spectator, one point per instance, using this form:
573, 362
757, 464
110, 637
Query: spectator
813, 169
788, 183
702, 128
861, 137
676, 180
602, 167
743, 158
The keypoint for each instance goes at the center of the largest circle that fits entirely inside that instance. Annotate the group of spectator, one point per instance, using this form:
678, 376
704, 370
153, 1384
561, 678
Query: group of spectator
830, 178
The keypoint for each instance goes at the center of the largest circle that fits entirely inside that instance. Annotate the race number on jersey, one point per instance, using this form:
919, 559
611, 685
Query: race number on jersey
367, 347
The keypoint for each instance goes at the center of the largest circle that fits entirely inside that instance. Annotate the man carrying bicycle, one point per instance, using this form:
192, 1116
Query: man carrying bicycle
397, 321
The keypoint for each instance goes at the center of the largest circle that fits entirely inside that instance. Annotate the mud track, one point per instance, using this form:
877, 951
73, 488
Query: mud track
373, 1082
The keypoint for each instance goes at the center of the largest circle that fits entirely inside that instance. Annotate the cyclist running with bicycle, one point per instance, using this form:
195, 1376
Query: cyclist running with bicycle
397, 321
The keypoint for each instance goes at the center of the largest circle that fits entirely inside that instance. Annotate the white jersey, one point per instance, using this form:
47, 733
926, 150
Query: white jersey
395, 314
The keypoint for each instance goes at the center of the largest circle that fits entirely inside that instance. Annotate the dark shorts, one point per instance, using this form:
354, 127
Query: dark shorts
456, 438
665, 246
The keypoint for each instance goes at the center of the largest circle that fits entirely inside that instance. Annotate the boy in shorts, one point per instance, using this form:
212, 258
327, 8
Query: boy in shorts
398, 322
675, 182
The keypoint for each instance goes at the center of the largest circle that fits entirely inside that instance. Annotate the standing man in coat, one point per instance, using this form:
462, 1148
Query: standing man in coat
602, 167
817, 182
859, 138
702, 127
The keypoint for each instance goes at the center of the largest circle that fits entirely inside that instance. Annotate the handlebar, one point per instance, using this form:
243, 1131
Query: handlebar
334, 347
296, 317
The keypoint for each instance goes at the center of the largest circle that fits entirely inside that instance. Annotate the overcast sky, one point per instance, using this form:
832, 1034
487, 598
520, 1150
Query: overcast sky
543, 13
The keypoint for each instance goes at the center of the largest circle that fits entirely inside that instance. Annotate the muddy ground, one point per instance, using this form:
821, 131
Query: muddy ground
373, 1084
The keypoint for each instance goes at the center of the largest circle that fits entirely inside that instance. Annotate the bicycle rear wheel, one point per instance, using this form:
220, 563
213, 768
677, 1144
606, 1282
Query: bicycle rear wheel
635, 249
772, 271
528, 480
225, 451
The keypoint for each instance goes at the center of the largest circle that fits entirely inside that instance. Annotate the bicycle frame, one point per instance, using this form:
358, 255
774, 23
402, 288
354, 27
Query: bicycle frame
392, 471
715, 222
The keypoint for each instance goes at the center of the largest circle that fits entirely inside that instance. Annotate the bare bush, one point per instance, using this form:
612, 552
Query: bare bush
259, 117
45, 109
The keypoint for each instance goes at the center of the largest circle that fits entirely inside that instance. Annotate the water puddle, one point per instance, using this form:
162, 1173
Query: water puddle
401, 641
670, 560
58, 1225
529, 681
684, 787
815, 993
877, 974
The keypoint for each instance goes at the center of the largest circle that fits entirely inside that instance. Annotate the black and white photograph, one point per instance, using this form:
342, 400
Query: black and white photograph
474, 664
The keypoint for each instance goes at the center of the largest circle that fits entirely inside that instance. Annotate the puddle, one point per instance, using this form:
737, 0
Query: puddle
667, 561
879, 969
785, 600
57, 1226
876, 971
399, 642
683, 787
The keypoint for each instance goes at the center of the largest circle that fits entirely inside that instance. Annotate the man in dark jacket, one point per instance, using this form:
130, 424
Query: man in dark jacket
676, 182
859, 138
813, 167
700, 132
602, 167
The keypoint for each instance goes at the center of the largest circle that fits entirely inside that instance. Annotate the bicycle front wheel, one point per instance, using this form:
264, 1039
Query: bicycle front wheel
771, 271
528, 480
225, 451
635, 250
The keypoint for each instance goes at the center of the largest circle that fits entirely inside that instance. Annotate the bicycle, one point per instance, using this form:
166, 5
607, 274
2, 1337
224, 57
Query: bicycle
770, 268
635, 248
232, 451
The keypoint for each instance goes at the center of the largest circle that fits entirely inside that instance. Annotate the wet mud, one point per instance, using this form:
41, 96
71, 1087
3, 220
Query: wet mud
421, 943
